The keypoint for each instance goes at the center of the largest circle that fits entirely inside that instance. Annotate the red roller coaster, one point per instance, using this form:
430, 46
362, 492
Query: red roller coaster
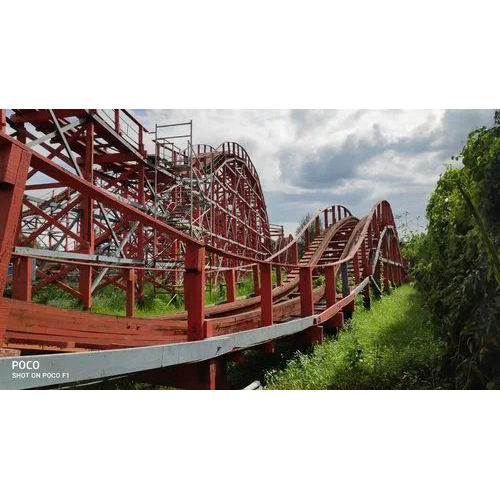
83, 206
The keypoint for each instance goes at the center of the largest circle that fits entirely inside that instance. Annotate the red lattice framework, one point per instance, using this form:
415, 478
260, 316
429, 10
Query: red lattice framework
83, 206
213, 194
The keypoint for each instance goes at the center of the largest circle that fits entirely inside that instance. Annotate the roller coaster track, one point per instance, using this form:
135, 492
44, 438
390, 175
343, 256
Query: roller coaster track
109, 214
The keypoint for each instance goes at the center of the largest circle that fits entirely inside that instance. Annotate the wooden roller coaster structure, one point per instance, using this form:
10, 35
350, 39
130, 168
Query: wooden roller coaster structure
84, 206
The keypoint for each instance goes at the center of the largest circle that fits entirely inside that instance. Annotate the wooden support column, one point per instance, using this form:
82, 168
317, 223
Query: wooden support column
295, 254
366, 274
377, 276
370, 238
230, 277
194, 290
346, 290
175, 254
256, 279
387, 287
14, 162
334, 220
206, 375
130, 279
314, 334
141, 237
3, 120
279, 278
266, 300
305, 289
355, 265
326, 217
364, 259
306, 239
117, 121
330, 286
317, 226
331, 297
376, 228
22, 278
87, 220
266, 291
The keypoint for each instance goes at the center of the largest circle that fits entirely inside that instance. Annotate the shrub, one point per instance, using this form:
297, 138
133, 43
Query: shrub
454, 269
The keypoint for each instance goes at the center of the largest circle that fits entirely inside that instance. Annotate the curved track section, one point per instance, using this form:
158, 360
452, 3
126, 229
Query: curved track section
108, 214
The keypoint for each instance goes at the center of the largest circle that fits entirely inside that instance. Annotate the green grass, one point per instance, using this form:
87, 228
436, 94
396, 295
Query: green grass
391, 346
111, 300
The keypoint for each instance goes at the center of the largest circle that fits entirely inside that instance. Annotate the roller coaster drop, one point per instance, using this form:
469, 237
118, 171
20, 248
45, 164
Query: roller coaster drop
83, 206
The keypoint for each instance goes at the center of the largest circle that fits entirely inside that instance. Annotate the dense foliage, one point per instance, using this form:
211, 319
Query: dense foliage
453, 267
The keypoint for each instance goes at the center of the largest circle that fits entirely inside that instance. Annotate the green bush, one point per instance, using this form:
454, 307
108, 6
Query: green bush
453, 268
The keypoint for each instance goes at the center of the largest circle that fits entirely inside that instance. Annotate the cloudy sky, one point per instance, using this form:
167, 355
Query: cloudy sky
308, 159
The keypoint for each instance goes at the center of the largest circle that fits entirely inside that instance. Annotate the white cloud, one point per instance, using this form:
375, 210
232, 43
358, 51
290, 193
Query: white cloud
307, 159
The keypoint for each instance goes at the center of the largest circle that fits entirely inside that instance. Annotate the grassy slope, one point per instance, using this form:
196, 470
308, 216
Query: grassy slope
392, 346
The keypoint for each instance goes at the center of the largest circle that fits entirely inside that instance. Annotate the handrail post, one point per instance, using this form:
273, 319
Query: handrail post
366, 274
279, 279
194, 290
256, 279
295, 254
317, 226
3, 120
376, 225
314, 334
141, 141
22, 278
386, 275
306, 238
266, 301
336, 321
364, 259
117, 121
355, 264
345, 280
326, 217
266, 294
230, 277
334, 220
305, 288
330, 286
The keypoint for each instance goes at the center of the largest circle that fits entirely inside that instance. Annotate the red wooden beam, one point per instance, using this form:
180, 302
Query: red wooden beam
3, 120
266, 294
130, 294
194, 291
266, 301
43, 115
87, 222
306, 291
230, 277
330, 286
22, 278
14, 162
256, 279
